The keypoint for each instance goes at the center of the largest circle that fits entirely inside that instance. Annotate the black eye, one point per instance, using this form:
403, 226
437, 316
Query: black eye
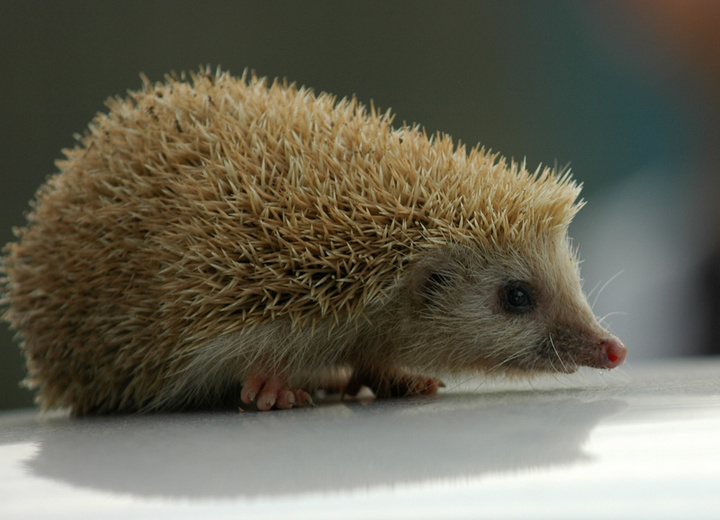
517, 298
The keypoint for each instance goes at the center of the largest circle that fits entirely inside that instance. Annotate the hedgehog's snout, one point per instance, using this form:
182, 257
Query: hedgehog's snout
610, 354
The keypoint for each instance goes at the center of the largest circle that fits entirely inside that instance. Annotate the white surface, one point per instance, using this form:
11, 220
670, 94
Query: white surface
640, 443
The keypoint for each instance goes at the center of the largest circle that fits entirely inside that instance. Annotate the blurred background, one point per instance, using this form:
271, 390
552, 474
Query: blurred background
625, 92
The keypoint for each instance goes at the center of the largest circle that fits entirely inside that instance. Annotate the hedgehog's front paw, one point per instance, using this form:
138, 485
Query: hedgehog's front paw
269, 392
395, 384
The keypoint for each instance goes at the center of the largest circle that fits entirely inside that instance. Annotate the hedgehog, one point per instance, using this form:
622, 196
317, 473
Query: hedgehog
215, 240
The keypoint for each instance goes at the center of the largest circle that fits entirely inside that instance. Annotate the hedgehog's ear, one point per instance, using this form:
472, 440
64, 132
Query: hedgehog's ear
430, 280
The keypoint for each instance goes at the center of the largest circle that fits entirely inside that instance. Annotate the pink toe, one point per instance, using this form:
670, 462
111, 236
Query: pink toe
302, 398
251, 388
285, 400
269, 393
272, 392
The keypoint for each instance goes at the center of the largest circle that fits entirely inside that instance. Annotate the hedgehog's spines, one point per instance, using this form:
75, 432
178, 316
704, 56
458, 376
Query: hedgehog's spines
204, 207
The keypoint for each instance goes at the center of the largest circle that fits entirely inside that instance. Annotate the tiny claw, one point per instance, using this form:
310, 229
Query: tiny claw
265, 404
247, 396
251, 388
285, 400
302, 398
272, 392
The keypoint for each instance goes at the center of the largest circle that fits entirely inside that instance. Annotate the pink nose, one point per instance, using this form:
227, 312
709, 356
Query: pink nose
611, 353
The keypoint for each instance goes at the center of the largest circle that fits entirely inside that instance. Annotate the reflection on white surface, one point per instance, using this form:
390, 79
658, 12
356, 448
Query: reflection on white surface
643, 448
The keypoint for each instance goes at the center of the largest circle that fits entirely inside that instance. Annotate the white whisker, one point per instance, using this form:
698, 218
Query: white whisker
552, 343
615, 313
604, 286
516, 355
593, 289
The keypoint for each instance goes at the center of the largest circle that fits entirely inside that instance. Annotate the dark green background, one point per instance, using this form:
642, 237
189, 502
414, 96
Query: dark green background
556, 82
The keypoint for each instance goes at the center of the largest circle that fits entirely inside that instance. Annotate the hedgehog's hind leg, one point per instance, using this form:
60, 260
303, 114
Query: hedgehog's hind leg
393, 383
272, 392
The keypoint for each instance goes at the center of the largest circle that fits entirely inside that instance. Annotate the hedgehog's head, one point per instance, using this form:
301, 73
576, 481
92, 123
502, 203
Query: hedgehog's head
513, 309
506, 293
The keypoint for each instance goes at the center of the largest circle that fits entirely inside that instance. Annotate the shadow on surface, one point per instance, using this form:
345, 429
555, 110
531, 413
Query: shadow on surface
334, 447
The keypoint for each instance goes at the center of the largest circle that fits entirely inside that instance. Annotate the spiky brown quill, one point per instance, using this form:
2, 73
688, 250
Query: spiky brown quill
217, 233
